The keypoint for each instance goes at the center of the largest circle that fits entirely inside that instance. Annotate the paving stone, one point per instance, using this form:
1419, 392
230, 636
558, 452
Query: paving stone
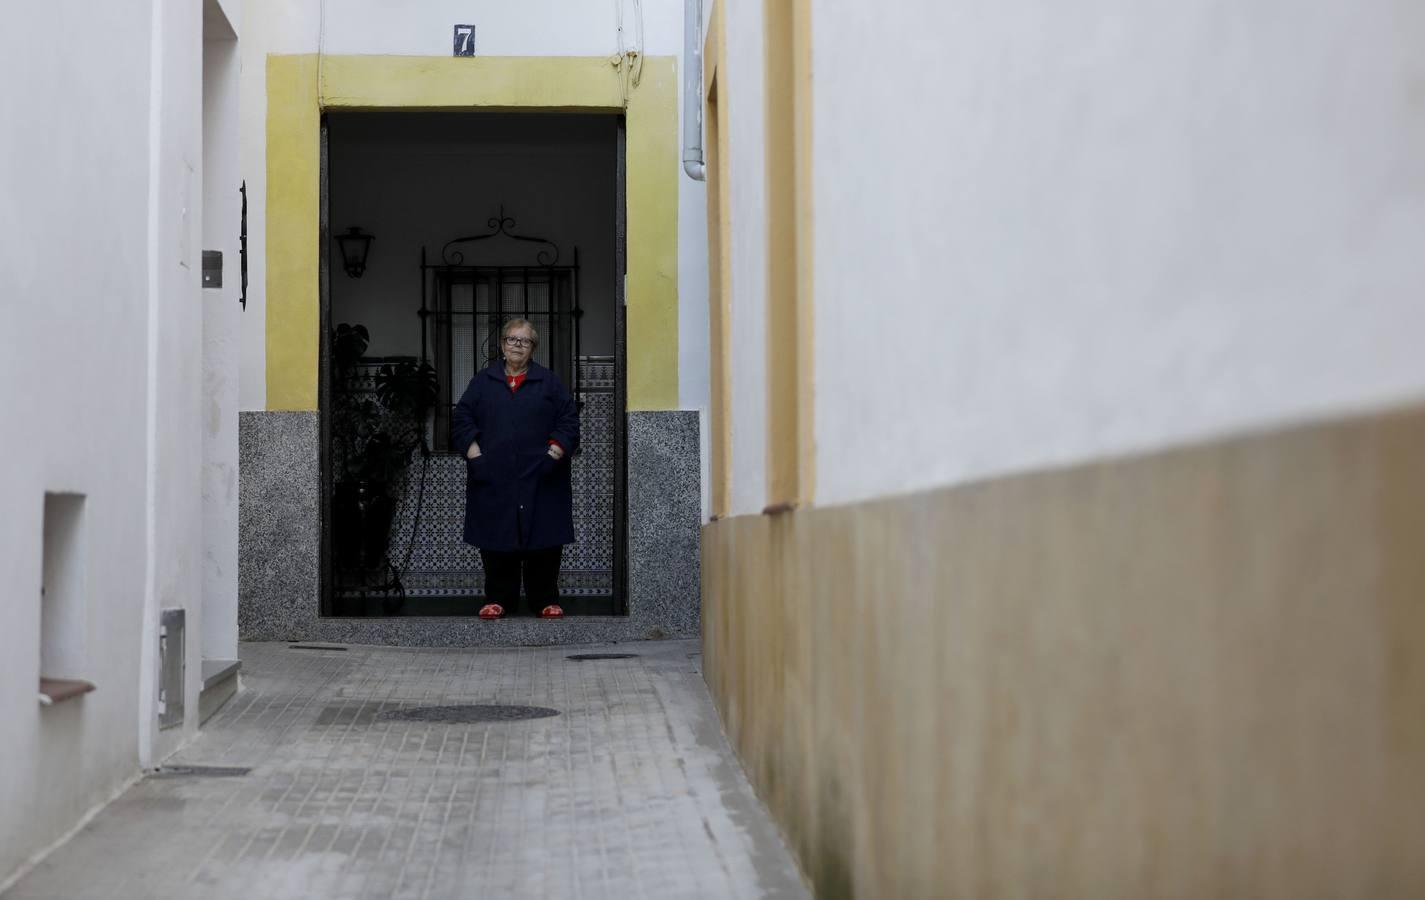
631, 791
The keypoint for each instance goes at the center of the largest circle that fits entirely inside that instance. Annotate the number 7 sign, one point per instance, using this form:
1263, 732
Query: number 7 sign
464, 40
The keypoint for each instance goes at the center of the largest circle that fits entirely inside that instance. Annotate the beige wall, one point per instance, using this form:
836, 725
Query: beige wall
1186, 674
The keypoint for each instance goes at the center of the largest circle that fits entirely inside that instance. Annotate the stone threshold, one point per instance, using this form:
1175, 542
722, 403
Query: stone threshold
216, 671
220, 684
471, 631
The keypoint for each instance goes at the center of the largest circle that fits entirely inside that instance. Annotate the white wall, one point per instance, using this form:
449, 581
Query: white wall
694, 375
741, 90
231, 18
1048, 232
90, 249
535, 28
542, 28
174, 503
222, 322
420, 180
269, 26
72, 383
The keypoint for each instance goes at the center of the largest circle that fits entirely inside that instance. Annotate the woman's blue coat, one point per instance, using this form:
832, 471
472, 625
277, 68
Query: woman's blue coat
516, 496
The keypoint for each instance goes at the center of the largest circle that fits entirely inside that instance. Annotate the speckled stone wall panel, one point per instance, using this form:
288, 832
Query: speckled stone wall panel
664, 518
470, 631
281, 527
279, 524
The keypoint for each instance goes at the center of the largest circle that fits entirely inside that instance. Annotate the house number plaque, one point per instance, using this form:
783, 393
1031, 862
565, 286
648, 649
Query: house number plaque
464, 40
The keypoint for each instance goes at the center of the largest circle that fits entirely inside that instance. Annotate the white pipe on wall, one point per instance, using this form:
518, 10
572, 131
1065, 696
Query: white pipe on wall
693, 90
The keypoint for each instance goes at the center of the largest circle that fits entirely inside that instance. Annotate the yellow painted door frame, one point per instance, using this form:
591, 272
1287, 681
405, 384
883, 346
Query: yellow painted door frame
719, 266
300, 87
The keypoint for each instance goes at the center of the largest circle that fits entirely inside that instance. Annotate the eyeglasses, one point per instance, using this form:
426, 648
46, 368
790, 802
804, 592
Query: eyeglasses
518, 342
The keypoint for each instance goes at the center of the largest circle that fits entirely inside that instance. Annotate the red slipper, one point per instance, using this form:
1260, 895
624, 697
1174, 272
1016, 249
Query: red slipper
491, 611
552, 611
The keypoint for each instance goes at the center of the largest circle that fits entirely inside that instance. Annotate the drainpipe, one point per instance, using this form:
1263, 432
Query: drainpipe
693, 89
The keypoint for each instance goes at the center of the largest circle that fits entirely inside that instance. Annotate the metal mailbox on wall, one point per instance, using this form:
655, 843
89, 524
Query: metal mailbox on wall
170, 667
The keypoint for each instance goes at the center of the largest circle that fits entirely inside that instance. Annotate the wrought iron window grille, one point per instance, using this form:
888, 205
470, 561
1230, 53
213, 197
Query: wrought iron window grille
468, 295
242, 246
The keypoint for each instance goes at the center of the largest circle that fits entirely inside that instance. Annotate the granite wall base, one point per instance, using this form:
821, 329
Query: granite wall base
664, 523
280, 521
279, 524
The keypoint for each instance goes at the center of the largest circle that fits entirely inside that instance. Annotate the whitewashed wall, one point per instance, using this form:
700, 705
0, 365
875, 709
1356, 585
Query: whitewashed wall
175, 359
100, 388
73, 379
269, 26
222, 321
420, 180
221, 17
543, 28
742, 90
1050, 232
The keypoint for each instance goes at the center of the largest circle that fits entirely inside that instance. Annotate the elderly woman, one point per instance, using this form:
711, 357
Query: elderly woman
518, 426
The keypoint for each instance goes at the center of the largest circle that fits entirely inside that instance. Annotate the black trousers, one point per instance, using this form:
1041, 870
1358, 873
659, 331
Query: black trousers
539, 569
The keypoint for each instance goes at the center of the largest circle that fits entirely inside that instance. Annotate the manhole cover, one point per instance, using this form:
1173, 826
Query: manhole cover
199, 771
466, 714
582, 657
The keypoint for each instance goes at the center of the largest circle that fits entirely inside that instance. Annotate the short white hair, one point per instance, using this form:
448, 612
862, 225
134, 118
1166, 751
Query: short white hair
512, 324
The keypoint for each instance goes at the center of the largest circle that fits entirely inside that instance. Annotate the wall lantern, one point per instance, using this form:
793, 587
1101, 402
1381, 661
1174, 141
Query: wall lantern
354, 247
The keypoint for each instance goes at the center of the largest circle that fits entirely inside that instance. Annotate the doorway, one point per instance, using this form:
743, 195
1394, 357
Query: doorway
466, 219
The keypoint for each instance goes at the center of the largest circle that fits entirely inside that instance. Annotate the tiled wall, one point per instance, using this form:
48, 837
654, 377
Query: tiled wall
441, 565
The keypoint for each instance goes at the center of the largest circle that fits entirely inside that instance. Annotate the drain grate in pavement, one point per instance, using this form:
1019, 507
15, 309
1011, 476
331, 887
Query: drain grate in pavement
200, 771
460, 715
315, 647
585, 657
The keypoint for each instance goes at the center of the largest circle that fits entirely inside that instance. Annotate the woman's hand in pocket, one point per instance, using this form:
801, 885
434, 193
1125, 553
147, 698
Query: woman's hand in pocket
473, 451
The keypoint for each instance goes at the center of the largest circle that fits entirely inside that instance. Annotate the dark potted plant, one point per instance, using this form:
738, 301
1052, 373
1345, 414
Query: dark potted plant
376, 430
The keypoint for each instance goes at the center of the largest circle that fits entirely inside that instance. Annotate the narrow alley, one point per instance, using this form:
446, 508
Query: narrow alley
629, 791
712, 449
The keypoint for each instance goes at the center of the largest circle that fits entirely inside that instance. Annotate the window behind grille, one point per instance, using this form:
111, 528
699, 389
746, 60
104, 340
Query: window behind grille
471, 305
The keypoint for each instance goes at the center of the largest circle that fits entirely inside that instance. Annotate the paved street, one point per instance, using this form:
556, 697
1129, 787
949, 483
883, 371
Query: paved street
630, 791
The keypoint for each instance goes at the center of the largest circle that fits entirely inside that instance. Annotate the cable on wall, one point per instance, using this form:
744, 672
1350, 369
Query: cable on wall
636, 63
321, 41
629, 60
